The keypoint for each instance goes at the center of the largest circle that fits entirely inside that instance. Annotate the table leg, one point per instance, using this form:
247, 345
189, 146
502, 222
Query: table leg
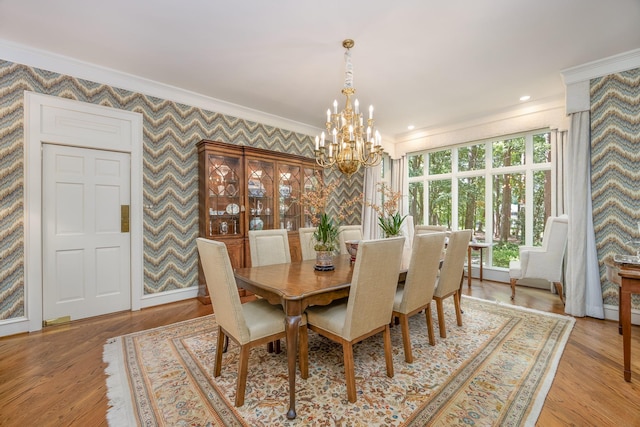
625, 318
292, 323
469, 267
480, 249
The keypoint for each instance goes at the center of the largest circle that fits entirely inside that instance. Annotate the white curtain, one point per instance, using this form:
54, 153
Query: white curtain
399, 182
370, 228
583, 288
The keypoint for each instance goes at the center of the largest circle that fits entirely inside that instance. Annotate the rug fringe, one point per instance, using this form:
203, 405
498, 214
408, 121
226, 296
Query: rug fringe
120, 412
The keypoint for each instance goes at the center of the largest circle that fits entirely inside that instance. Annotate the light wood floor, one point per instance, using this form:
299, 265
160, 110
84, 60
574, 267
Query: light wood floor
56, 377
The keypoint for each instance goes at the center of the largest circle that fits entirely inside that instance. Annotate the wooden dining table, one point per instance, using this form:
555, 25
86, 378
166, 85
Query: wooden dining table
296, 286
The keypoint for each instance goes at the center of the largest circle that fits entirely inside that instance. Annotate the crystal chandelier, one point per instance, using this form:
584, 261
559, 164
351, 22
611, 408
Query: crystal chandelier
350, 144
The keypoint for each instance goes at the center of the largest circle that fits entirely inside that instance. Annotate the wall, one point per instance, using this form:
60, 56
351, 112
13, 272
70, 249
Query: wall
170, 133
615, 180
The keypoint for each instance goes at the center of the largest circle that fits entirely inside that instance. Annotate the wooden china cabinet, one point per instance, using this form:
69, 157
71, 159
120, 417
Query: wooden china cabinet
245, 188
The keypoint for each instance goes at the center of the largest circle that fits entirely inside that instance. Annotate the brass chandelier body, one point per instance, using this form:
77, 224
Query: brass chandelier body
351, 144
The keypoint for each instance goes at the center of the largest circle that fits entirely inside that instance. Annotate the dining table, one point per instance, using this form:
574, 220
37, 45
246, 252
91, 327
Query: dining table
296, 286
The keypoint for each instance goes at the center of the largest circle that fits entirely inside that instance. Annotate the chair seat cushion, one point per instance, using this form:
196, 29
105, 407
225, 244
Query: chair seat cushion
515, 269
329, 317
264, 319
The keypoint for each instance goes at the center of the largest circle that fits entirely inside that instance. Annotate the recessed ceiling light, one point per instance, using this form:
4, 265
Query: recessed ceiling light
525, 98
411, 127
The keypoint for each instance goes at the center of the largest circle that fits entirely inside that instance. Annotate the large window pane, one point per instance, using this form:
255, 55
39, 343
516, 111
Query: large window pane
416, 202
541, 148
416, 165
440, 202
541, 203
508, 217
440, 162
508, 152
471, 206
471, 158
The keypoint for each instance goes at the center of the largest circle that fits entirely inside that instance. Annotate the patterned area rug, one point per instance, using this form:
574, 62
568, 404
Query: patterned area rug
494, 370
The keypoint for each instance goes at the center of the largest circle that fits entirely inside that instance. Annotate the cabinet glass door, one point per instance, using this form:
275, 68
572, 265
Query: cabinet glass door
289, 186
224, 195
260, 192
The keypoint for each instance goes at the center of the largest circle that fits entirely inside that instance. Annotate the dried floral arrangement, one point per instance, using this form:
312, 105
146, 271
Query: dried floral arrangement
389, 219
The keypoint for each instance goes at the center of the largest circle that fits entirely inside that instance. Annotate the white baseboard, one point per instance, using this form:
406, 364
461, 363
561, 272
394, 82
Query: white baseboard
151, 300
21, 325
14, 326
611, 312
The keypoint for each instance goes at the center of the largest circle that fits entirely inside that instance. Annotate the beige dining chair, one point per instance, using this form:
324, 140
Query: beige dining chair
424, 229
248, 325
268, 247
368, 308
417, 293
307, 242
348, 232
451, 275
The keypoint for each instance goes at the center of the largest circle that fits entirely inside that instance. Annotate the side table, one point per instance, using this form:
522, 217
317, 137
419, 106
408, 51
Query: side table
475, 246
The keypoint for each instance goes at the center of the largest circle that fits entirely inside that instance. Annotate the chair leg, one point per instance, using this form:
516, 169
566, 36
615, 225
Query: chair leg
303, 351
388, 351
558, 286
513, 288
349, 372
443, 330
220, 347
406, 339
432, 337
243, 363
456, 302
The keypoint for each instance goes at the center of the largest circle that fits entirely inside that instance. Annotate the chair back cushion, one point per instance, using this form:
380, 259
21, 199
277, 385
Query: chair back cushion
453, 265
348, 232
222, 288
424, 229
269, 247
307, 242
554, 239
373, 286
423, 271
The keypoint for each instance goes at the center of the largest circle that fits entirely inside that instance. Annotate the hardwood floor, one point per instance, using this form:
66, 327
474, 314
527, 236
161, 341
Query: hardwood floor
56, 377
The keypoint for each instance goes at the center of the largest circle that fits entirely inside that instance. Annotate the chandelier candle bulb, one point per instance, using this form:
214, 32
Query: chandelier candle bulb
370, 112
317, 143
357, 106
328, 115
335, 106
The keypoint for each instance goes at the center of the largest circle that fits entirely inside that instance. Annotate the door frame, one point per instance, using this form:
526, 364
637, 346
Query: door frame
40, 128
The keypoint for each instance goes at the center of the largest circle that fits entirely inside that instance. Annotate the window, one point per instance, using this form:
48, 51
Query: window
499, 188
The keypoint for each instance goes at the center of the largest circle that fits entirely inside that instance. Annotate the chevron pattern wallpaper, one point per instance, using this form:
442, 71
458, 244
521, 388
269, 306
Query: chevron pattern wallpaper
615, 169
171, 131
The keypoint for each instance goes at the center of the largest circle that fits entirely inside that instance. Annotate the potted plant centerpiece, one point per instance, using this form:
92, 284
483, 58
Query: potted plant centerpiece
326, 234
326, 238
389, 219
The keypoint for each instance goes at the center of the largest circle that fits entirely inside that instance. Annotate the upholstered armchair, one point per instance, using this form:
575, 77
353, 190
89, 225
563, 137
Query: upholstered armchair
268, 247
543, 262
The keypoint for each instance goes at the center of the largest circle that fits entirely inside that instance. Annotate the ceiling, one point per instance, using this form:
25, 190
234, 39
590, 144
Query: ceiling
419, 62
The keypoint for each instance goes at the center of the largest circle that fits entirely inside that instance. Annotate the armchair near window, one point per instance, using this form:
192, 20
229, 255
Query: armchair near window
543, 262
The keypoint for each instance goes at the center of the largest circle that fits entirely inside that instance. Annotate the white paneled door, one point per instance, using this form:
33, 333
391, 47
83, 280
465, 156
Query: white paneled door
86, 241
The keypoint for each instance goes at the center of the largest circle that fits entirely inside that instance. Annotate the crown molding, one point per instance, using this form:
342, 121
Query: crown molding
25, 55
602, 67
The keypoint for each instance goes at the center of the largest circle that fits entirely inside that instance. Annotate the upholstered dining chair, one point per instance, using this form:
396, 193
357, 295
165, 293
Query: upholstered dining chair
451, 275
424, 229
348, 232
543, 262
268, 247
367, 310
307, 242
417, 293
248, 325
